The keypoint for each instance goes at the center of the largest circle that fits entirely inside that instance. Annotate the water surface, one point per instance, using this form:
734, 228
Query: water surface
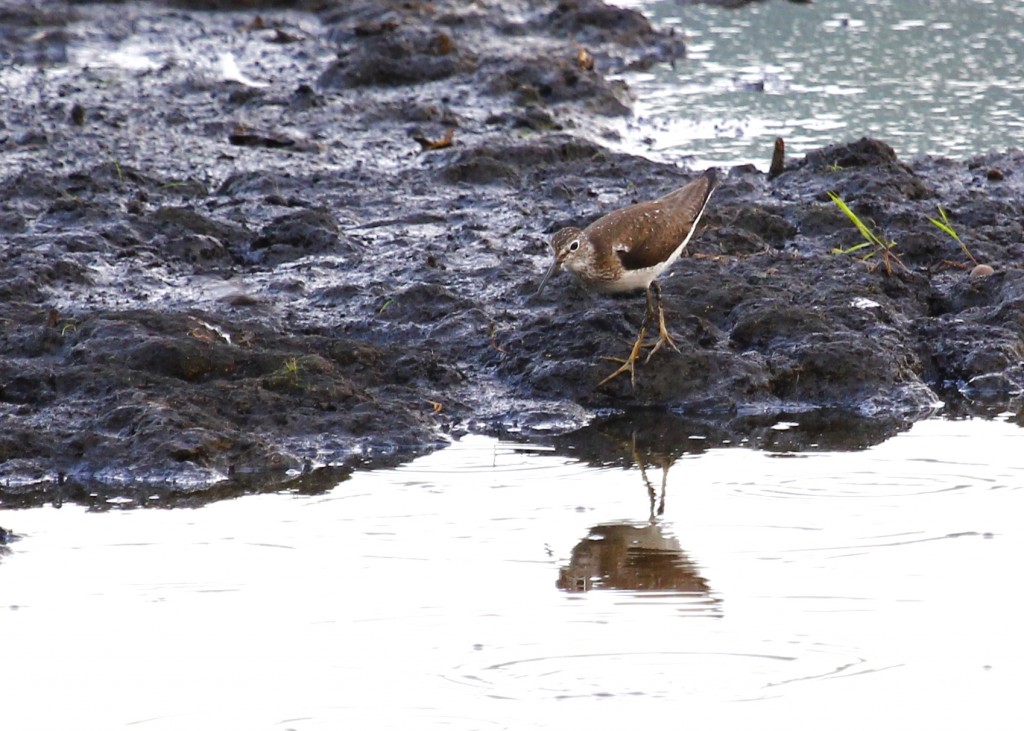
493, 585
928, 77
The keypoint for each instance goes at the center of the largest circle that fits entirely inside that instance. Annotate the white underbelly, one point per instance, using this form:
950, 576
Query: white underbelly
631, 279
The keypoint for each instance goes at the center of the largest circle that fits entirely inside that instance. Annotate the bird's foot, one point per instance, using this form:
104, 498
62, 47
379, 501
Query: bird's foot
664, 337
629, 362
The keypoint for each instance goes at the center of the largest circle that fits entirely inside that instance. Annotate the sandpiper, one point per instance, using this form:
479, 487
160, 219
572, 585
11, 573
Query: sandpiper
628, 249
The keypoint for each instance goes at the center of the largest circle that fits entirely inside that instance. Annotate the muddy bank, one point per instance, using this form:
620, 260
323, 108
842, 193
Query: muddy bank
248, 251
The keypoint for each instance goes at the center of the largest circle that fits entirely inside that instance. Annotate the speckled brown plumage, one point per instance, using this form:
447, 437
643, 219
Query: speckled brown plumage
649, 232
627, 249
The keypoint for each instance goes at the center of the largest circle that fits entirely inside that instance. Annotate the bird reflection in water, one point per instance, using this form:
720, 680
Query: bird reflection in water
635, 556
632, 557
644, 556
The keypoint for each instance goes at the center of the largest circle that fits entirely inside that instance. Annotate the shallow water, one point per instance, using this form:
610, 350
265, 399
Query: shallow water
925, 76
493, 585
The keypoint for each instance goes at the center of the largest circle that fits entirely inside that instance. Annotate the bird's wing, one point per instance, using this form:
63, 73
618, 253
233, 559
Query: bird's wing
646, 234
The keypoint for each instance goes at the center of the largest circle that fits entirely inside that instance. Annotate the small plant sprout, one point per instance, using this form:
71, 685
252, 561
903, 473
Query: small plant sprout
290, 370
942, 222
872, 241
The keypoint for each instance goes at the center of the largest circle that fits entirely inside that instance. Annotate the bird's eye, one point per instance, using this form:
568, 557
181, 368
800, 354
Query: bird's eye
574, 245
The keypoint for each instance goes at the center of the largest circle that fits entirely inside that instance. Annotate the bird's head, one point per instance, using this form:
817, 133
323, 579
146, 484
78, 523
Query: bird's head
570, 250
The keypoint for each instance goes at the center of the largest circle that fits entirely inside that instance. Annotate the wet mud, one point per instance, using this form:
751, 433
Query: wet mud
257, 248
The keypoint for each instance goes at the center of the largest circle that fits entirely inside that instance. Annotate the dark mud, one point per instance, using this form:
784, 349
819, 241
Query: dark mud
232, 262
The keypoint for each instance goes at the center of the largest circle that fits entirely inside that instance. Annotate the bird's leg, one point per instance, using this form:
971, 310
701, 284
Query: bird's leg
630, 361
664, 338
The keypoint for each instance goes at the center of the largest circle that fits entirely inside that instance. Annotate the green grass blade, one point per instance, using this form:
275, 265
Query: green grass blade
866, 232
947, 228
944, 226
852, 249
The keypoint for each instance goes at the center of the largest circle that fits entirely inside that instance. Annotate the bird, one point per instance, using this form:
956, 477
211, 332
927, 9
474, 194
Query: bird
629, 248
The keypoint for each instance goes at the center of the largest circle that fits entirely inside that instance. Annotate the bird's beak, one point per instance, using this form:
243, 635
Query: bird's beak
551, 270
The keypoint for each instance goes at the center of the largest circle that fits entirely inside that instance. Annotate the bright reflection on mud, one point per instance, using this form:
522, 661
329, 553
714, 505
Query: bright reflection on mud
647, 568
926, 77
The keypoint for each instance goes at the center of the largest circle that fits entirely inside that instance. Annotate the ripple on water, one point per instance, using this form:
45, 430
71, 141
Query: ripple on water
476, 455
707, 674
814, 476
